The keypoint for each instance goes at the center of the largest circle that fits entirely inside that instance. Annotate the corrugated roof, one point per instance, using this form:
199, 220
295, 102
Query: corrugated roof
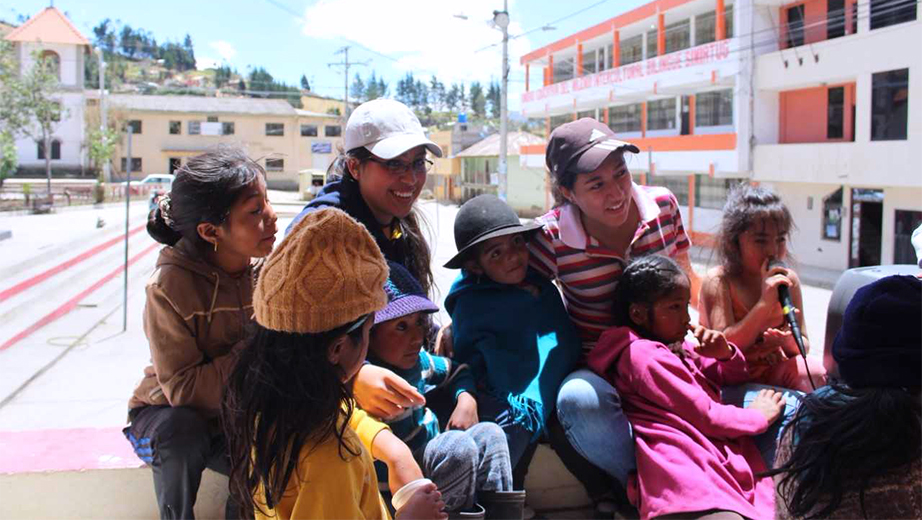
48, 26
200, 104
489, 146
308, 113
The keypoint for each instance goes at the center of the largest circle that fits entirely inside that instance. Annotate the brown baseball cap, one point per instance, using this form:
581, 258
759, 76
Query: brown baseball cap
581, 147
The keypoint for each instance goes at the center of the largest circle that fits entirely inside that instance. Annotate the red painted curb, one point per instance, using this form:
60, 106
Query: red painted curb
72, 303
41, 277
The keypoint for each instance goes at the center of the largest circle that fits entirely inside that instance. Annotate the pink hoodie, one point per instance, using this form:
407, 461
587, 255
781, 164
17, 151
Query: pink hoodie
693, 453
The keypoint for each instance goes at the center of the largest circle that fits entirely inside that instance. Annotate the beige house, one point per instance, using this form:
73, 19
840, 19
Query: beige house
169, 129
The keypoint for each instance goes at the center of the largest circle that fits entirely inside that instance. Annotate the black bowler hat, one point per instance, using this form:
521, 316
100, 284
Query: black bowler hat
582, 146
482, 218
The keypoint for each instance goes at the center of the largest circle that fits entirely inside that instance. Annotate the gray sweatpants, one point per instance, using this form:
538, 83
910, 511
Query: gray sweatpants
461, 463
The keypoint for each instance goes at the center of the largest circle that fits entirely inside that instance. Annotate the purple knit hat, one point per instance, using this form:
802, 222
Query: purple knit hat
404, 295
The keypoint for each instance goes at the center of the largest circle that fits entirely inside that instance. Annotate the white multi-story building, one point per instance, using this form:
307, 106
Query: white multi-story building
810, 98
51, 35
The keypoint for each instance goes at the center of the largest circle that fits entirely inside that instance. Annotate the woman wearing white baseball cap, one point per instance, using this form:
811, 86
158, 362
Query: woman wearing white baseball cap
378, 177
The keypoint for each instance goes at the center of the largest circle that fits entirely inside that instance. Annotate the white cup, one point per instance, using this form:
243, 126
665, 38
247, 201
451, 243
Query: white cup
403, 494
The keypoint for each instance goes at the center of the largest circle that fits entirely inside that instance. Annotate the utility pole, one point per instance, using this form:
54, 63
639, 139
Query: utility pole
345, 64
501, 19
103, 110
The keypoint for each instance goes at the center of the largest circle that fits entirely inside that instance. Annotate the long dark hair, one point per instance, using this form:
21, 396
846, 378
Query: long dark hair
204, 190
419, 261
841, 440
645, 280
283, 395
746, 205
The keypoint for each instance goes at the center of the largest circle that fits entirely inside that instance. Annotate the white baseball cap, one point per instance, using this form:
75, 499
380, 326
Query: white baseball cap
386, 128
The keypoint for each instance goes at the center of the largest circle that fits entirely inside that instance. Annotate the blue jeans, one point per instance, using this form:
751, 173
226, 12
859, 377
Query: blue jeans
589, 410
767, 442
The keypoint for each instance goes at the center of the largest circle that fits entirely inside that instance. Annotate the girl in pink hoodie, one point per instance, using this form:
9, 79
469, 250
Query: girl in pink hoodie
695, 456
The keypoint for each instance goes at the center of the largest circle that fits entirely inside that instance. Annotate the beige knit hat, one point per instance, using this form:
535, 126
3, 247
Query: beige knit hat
326, 273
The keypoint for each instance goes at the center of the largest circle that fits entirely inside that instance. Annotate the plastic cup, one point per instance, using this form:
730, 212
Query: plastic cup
408, 490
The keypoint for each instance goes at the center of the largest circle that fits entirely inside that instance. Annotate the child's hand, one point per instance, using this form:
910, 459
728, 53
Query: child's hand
782, 339
465, 414
771, 279
711, 343
443, 342
770, 403
383, 393
425, 504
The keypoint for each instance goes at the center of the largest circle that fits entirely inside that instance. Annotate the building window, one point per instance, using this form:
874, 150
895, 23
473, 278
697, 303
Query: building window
308, 130
889, 105
705, 28
275, 129
135, 164
728, 20
835, 19
212, 119
624, 119
227, 128
835, 113
332, 131
589, 64
712, 193
175, 127
195, 127
652, 44
678, 185
714, 108
560, 120
586, 113
275, 165
904, 224
135, 125
603, 61
563, 70
832, 216
55, 149
795, 26
885, 13
678, 36
632, 49
53, 60
661, 114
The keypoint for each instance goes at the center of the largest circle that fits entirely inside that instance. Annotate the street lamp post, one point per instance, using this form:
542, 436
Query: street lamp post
501, 20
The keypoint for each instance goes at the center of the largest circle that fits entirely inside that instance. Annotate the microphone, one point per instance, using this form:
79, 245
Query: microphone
787, 309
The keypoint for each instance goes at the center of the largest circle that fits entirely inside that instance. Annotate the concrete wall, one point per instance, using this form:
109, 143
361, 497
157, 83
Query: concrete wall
807, 243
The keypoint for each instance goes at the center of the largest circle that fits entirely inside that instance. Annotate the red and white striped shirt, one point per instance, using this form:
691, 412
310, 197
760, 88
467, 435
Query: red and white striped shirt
588, 272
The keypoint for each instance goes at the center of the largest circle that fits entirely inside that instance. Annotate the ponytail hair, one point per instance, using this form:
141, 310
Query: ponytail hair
204, 190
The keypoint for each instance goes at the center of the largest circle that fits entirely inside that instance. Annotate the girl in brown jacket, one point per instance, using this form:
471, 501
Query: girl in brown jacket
215, 220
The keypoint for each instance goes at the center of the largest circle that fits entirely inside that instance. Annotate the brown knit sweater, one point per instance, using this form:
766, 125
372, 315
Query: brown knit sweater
897, 494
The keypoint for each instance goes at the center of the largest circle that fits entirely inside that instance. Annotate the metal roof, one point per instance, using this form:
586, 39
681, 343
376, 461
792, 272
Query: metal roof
489, 146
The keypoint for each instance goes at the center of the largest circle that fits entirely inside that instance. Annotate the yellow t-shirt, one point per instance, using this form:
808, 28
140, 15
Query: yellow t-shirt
324, 486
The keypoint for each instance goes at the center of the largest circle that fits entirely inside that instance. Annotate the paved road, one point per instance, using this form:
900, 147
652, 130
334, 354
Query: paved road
79, 369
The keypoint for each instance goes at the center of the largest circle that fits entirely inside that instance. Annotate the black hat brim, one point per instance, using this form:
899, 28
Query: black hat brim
457, 261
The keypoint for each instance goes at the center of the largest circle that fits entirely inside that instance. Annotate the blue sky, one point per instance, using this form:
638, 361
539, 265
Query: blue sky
294, 37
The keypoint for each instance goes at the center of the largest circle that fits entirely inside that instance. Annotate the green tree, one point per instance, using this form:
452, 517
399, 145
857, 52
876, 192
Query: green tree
304, 83
493, 99
357, 90
101, 145
13, 114
43, 111
452, 97
436, 94
8, 156
478, 101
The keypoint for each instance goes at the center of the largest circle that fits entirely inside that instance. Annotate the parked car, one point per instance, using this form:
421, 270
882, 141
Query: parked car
160, 183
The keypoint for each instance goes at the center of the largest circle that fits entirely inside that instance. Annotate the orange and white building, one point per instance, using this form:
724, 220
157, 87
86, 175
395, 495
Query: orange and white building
809, 97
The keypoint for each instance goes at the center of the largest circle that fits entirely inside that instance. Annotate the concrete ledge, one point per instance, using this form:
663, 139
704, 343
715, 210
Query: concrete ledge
92, 473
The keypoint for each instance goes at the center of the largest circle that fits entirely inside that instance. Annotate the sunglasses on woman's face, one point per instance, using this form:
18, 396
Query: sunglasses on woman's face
421, 165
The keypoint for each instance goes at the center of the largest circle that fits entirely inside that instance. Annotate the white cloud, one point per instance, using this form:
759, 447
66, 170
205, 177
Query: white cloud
422, 35
224, 49
202, 63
